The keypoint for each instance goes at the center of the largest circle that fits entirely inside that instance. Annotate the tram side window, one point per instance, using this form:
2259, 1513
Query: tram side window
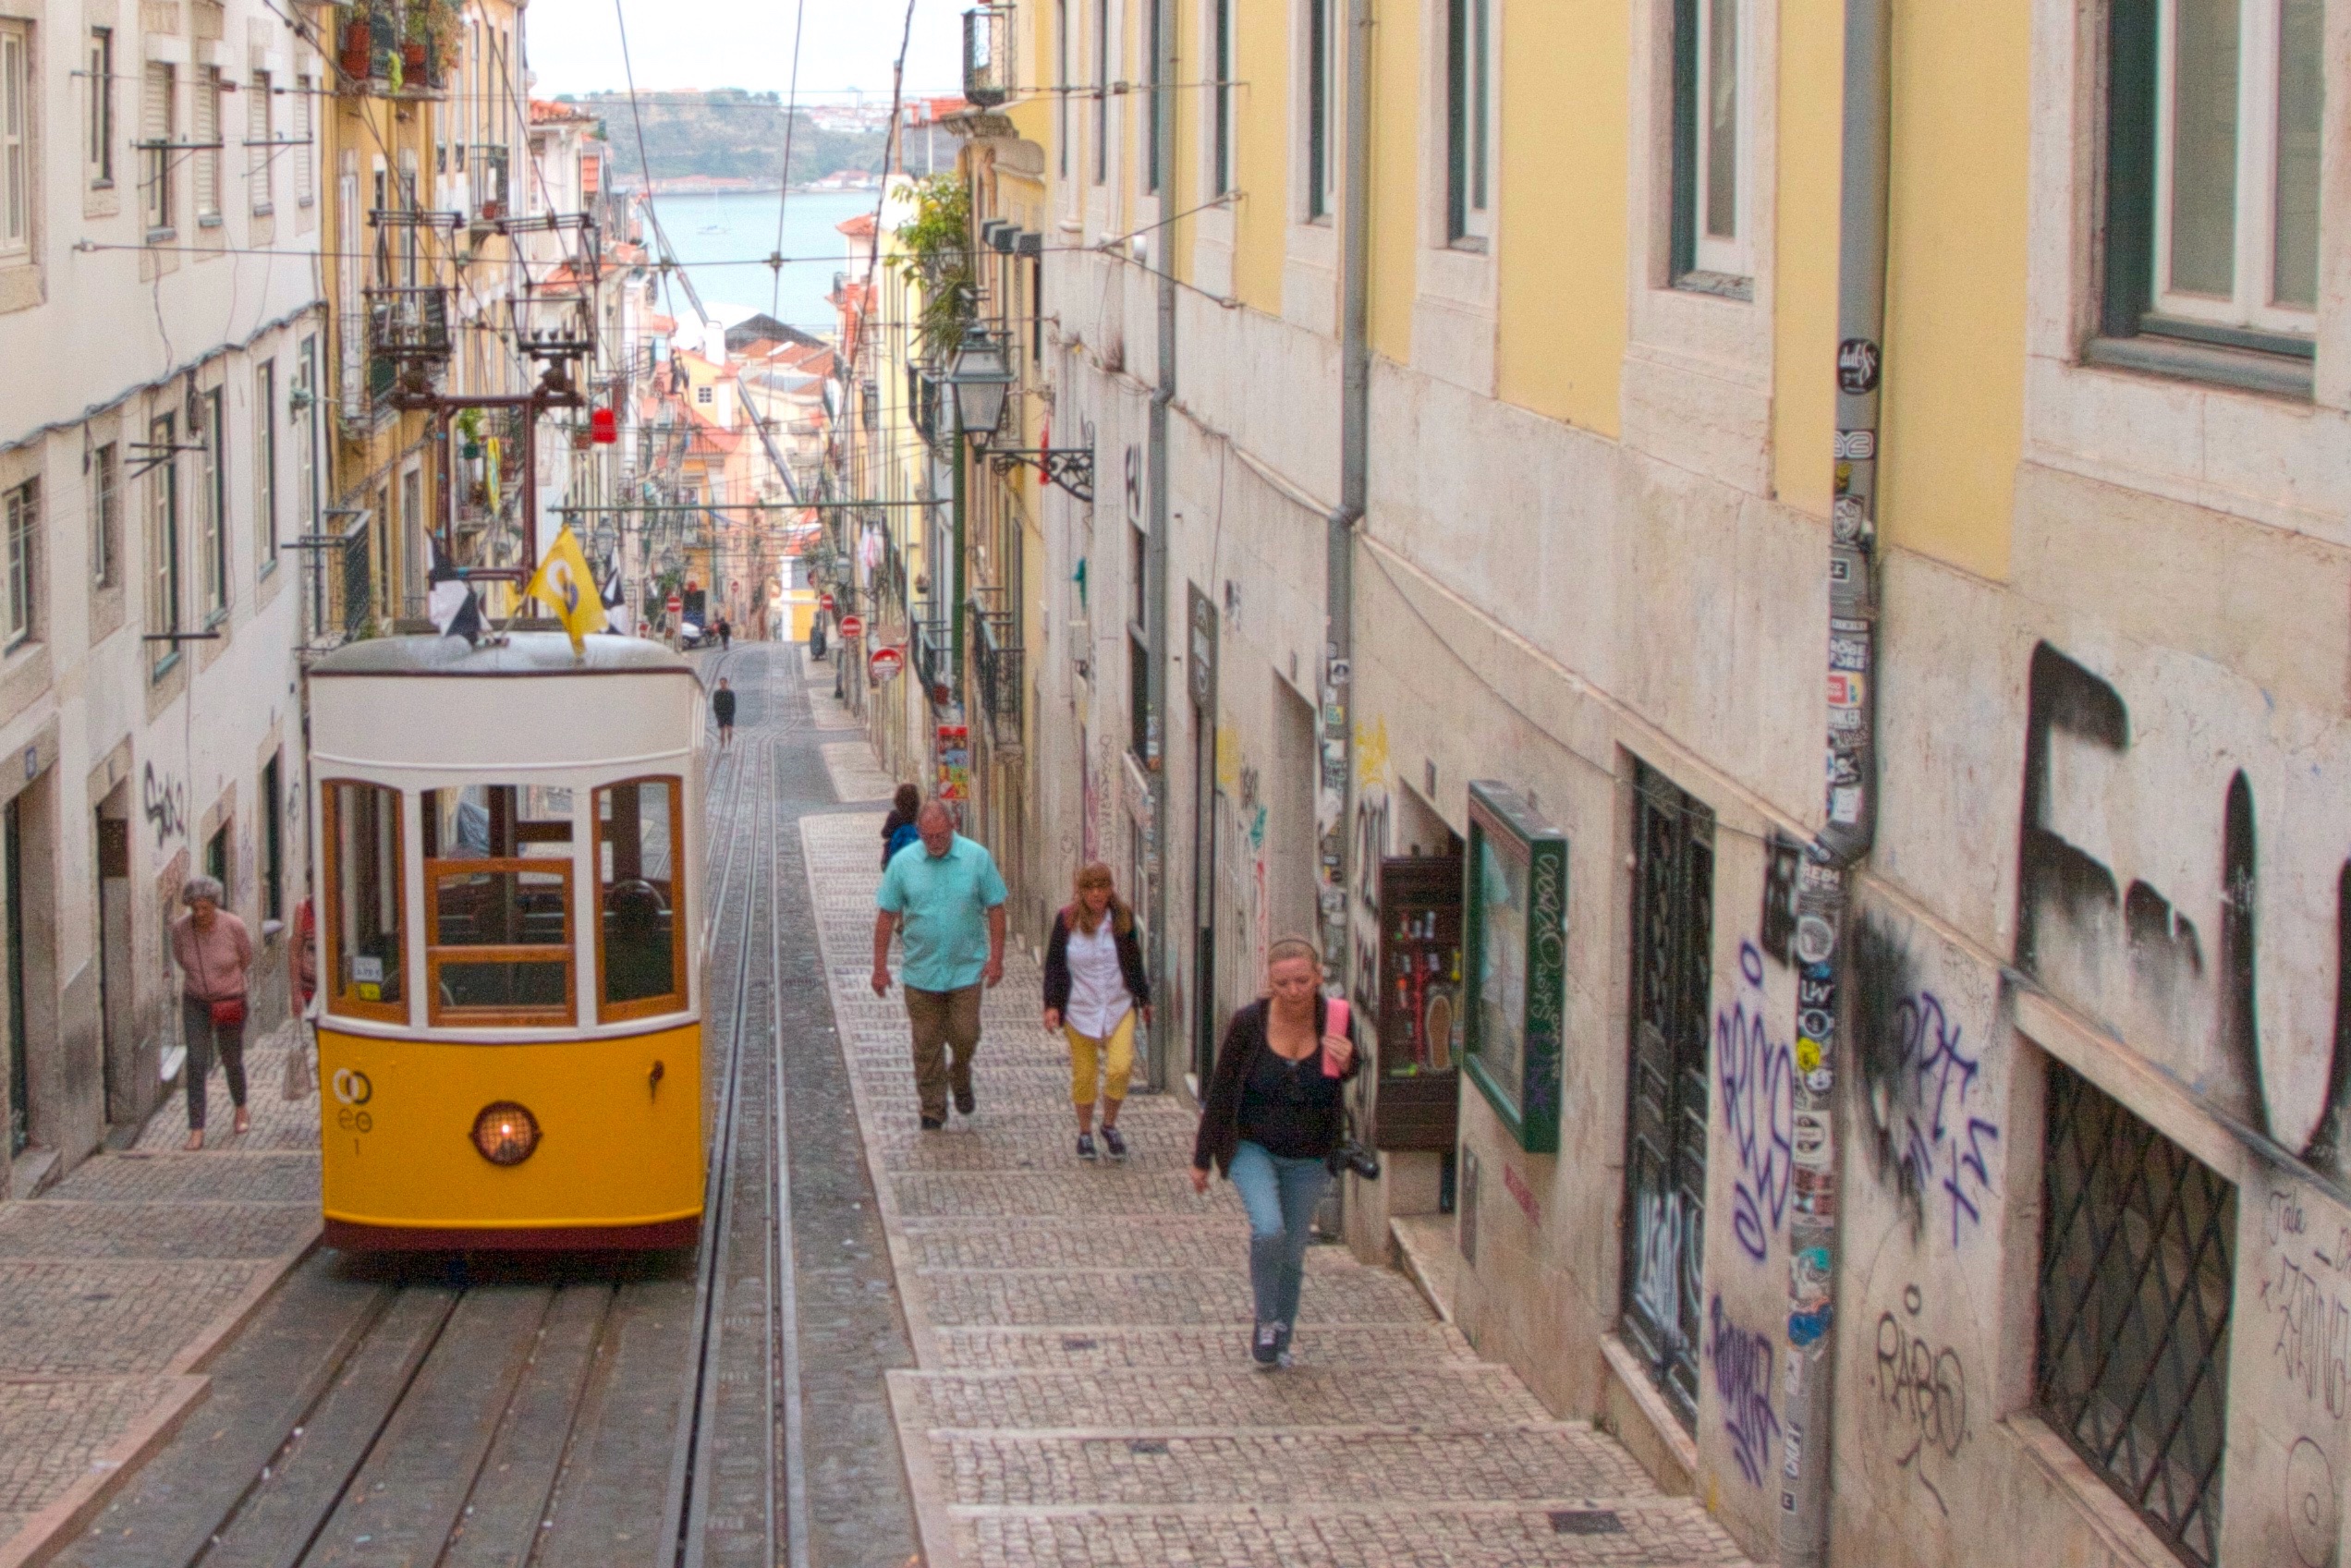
364, 923
497, 889
641, 940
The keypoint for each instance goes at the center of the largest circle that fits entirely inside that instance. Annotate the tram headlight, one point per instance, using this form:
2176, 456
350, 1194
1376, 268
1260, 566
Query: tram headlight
505, 1133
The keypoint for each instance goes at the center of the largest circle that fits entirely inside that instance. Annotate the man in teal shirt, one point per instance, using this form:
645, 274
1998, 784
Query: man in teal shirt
947, 897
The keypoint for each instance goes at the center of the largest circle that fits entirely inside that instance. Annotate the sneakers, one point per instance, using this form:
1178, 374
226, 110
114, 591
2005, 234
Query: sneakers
1085, 1145
933, 1124
1114, 1142
1282, 1356
1267, 1348
964, 1100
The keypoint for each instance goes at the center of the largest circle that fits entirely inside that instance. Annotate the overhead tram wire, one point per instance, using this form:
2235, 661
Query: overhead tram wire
784, 175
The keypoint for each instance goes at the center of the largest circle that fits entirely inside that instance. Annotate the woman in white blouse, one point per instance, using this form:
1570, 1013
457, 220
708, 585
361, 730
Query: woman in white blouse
1095, 989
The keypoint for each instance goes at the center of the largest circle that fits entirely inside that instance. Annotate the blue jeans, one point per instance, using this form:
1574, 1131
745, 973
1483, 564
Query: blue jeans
1281, 1194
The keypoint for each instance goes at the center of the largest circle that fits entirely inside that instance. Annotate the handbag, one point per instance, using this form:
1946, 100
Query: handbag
228, 1012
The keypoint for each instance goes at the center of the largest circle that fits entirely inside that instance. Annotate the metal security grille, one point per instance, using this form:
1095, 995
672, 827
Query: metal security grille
2135, 1292
1665, 1152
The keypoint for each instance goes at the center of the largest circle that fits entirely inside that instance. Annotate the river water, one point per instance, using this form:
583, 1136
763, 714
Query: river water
723, 240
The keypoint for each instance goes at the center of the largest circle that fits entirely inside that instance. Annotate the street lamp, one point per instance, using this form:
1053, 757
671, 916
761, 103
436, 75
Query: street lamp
981, 376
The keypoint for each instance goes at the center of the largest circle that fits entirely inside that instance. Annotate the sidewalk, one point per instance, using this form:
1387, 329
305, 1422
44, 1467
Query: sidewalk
1083, 1392
118, 1284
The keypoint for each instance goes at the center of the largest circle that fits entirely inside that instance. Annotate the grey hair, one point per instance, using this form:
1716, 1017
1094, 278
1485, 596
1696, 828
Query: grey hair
207, 888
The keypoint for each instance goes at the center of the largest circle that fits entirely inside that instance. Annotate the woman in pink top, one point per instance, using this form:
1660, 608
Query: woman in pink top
213, 950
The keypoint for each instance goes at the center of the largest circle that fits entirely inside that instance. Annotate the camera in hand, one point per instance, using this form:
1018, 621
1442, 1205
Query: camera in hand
1352, 1156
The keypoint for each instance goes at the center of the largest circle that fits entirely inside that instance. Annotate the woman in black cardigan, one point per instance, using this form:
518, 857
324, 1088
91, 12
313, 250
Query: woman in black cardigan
1271, 1117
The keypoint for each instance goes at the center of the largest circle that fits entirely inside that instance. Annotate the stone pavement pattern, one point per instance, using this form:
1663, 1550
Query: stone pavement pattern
119, 1279
1083, 1392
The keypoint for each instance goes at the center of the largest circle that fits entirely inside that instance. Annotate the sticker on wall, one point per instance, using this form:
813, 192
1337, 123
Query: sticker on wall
1856, 368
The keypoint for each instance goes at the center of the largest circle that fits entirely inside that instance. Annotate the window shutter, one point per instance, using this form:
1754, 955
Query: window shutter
156, 128
305, 164
257, 138
207, 134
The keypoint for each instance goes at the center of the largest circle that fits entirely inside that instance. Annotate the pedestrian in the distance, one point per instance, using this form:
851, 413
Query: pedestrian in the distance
949, 898
723, 709
1095, 989
897, 828
213, 952
725, 634
1273, 1116
302, 978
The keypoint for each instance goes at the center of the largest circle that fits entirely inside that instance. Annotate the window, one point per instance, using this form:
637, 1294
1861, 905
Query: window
205, 151
100, 151
156, 123
1061, 79
211, 506
1711, 144
1154, 18
1101, 90
265, 464
497, 909
216, 862
2137, 1286
1667, 1113
273, 804
105, 514
640, 946
162, 536
361, 828
21, 518
305, 155
16, 142
1318, 110
411, 237
1469, 120
260, 132
303, 412
2214, 113
703, 395
1221, 154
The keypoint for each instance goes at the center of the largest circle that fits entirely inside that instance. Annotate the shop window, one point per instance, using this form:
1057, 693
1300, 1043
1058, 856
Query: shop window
497, 904
2137, 1287
2213, 111
1419, 1000
640, 934
1516, 973
1713, 250
361, 829
1673, 927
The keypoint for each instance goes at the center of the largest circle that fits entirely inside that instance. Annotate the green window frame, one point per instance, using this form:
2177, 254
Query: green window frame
1515, 908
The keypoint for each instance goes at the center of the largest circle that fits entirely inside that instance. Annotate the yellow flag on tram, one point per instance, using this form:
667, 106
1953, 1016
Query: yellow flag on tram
564, 585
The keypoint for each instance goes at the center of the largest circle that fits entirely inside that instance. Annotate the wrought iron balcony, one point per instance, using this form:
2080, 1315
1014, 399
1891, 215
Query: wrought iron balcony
933, 656
397, 48
996, 660
988, 56
409, 323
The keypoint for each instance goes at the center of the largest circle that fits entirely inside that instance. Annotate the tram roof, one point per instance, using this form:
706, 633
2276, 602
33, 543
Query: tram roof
521, 653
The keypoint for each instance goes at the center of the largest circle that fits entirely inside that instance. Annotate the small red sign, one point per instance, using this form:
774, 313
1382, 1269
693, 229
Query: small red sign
852, 626
885, 662
676, 604
824, 603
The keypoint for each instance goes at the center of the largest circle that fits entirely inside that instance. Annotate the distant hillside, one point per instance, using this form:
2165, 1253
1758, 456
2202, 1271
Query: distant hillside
728, 134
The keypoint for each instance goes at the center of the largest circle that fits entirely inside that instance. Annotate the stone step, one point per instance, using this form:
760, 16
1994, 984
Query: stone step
1121, 1190
1434, 1464
1171, 1297
1126, 1347
1348, 1393
1657, 1533
1033, 1144
1186, 1241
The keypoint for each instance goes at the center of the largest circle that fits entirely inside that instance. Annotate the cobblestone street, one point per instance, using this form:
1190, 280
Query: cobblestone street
117, 1283
1083, 1392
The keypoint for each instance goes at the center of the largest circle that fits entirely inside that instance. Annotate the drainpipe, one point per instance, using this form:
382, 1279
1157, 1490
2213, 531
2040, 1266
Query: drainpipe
1335, 798
1823, 896
1161, 1054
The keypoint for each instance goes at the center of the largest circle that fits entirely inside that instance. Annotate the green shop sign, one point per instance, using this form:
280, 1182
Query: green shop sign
1515, 906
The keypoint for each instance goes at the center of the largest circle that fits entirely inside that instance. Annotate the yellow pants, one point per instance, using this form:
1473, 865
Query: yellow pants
1087, 1057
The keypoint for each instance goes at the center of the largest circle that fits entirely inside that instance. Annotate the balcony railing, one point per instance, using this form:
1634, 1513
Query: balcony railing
996, 660
395, 48
350, 583
932, 656
988, 56
409, 323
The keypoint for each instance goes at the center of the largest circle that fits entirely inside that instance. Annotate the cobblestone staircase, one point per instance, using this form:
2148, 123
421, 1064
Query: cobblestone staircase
1084, 1393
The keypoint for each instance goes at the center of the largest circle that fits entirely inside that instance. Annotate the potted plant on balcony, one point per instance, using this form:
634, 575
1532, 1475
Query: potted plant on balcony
359, 47
415, 35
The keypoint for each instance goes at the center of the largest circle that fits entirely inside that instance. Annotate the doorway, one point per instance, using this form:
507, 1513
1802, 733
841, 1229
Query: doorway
117, 1034
13, 926
1296, 863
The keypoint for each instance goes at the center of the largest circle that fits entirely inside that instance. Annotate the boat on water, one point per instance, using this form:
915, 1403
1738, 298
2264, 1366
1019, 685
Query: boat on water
714, 228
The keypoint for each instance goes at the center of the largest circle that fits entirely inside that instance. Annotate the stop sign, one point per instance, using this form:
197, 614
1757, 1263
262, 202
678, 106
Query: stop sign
824, 603
885, 662
852, 626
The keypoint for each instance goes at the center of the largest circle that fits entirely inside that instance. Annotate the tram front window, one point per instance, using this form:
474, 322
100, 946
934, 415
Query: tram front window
363, 924
640, 941
497, 882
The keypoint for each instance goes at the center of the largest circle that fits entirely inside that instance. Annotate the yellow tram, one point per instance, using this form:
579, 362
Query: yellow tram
510, 966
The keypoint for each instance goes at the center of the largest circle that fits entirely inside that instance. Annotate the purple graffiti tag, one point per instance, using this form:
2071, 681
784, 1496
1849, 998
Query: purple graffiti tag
1743, 1378
1758, 1078
1933, 1146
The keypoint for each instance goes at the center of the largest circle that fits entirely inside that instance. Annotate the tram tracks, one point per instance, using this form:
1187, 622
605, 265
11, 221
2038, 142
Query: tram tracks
533, 1413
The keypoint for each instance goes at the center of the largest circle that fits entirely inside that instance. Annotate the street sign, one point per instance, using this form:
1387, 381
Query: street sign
852, 626
824, 603
676, 604
884, 663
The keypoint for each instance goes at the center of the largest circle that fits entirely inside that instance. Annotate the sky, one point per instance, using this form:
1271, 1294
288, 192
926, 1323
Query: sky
575, 46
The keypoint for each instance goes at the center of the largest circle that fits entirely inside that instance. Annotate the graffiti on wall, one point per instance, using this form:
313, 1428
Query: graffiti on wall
1742, 1360
1923, 1391
1659, 1263
164, 803
2306, 1323
1928, 1127
1756, 1075
2100, 880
